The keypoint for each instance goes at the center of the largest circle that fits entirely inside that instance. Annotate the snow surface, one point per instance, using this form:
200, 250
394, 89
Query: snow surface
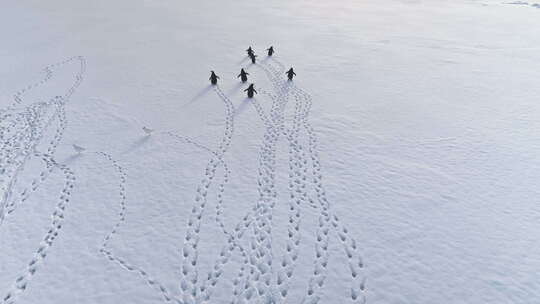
400, 166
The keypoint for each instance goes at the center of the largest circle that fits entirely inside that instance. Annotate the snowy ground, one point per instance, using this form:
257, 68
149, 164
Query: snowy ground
400, 166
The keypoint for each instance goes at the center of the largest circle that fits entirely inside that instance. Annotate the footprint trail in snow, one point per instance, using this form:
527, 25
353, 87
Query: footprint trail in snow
31, 131
265, 271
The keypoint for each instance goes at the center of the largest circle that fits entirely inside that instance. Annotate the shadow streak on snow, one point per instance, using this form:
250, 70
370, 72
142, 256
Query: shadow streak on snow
197, 96
241, 107
71, 158
243, 60
139, 142
235, 88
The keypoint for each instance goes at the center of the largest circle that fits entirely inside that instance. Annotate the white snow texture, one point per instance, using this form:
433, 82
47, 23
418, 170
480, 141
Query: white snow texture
401, 164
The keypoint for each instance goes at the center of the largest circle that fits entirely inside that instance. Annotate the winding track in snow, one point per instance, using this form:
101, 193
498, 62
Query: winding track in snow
18, 149
299, 158
257, 279
191, 289
105, 249
296, 188
204, 289
355, 261
107, 252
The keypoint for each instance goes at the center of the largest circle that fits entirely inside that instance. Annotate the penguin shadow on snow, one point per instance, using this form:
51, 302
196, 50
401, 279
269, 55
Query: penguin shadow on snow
79, 151
250, 66
136, 144
242, 106
235, 89
198, 96
70, 159
245, 59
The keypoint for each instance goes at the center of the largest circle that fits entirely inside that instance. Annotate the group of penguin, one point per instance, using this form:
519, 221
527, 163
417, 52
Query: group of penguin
243, 74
